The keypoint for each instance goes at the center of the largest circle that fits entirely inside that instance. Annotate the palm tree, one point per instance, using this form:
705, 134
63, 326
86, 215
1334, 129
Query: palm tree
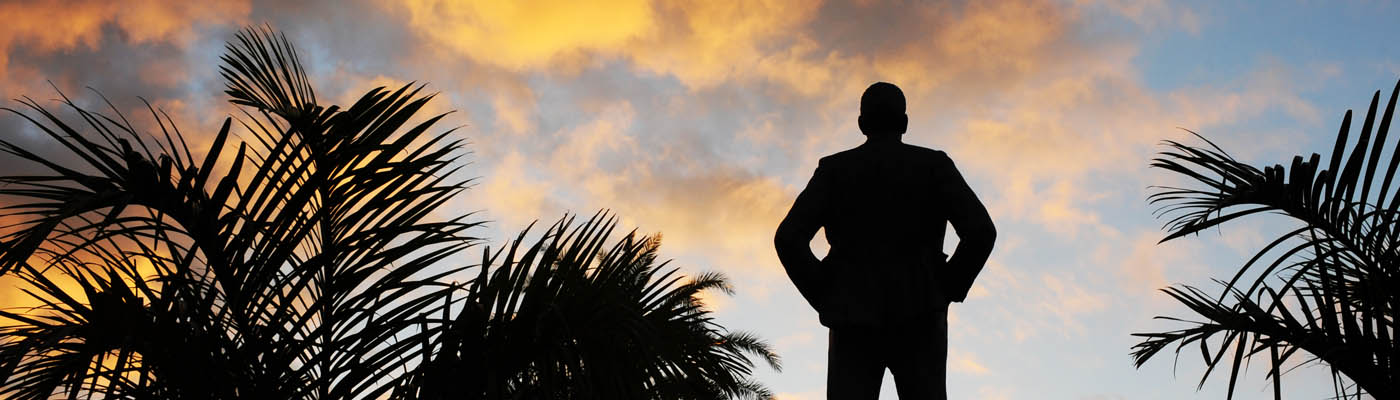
1327, 287
311, 266
569, 318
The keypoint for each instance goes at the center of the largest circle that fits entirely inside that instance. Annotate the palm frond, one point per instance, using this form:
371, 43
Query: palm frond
1329, 289
292, 276
567, 316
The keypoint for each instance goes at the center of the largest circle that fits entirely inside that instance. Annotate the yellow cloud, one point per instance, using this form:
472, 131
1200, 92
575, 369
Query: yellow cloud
524, 34
705, 43
1000, 35
702, 43
513, 199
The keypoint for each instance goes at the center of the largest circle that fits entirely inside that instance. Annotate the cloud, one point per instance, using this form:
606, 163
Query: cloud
996, 393
810, 395
1153, 14
514, 115
804, 46
1068, 299
527, 34
704, 43
702, 205
965, 363
1044, 151
514, 197
1145, 267
49, 26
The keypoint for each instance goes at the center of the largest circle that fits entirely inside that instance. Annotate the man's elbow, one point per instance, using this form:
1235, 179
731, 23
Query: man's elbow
783, 239
987, 234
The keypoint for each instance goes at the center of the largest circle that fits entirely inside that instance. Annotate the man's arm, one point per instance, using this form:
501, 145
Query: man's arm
973, 226
794, 238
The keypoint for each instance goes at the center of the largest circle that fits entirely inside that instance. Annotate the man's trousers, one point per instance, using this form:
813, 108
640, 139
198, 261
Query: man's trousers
916, 352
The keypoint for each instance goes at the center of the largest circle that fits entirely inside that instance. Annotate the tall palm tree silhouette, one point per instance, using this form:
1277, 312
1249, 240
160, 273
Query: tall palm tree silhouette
308, 264
1328, 287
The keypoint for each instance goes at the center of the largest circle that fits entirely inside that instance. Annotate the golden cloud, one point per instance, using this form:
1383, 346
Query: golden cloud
54, 25
707, 43
525, 34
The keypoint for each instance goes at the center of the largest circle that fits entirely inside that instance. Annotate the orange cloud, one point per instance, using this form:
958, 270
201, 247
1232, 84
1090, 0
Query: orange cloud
702, 43
13, 296
52, 25
706, 43
526, 34
709, 42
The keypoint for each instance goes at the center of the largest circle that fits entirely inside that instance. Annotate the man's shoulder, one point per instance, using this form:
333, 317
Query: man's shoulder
906, 151
924, 152
840, 157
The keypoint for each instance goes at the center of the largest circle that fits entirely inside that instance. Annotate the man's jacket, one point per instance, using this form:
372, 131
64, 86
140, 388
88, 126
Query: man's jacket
885, 207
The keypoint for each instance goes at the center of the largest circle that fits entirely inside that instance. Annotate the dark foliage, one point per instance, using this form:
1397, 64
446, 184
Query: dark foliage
569, 317
1327, 288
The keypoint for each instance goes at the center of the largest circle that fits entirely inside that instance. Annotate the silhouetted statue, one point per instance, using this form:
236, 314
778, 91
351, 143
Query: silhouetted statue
884, 288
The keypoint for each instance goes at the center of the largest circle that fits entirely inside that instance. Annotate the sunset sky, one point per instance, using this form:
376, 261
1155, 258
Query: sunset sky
701, 120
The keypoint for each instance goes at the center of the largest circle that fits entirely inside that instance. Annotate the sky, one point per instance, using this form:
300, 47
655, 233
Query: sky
701, 120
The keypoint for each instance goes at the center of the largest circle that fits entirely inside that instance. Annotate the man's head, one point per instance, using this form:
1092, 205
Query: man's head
882, 110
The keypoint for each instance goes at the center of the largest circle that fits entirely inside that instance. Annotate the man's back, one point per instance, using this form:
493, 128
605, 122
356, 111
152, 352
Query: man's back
885, 206
882, 199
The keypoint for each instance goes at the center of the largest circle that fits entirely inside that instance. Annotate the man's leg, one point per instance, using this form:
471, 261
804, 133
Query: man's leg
854, 367
919, 359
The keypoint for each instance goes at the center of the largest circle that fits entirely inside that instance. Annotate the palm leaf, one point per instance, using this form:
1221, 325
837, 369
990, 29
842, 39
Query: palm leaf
292, 276
567, 316
1329, 290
